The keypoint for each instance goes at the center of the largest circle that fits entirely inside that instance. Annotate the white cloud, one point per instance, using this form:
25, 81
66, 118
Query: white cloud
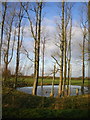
51, 47
48, 22
76, 41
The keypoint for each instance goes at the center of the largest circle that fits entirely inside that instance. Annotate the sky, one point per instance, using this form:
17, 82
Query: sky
50, 15
76, 38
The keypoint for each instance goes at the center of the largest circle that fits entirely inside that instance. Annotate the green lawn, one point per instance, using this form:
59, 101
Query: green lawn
17, 104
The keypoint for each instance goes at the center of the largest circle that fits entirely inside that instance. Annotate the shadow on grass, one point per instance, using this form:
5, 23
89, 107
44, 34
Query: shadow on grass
17, 104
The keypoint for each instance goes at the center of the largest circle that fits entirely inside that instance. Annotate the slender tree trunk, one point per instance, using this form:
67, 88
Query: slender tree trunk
35, 58
65, 63
6, 72
36, 41
18, 55
3, 20
1, 41
62, 49
43, 66
65, 50
89, 41
83, 59
6, 63
34, 92
52, 89
6, 60
68, 76
69, 56
88, 44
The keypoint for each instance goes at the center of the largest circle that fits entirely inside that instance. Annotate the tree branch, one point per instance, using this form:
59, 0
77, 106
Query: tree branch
55, 60
27, 54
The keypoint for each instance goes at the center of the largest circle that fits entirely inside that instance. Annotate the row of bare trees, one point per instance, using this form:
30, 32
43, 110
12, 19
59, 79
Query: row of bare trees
36, 34
6, 37
12, 36
84, 24
13, 18
65, 36
64, 44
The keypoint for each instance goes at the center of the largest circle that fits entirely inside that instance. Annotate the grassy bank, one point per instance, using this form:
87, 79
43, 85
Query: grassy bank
28, 81
17, 104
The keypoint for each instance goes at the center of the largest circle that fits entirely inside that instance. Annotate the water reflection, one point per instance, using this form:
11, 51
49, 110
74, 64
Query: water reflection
46, 90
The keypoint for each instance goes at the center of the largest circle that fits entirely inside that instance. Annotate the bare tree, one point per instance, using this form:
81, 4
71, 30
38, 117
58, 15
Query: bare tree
44, 39
62, 50
65, 49
36, 8
7, 58
83, 25
69, 56
19, 41
43, 55
2, 27
38, 49
63, 29
83, 58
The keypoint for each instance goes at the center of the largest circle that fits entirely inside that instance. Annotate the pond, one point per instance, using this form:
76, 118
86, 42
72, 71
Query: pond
47, 90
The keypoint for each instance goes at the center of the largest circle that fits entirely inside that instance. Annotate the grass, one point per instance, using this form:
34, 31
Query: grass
46, 113
17, 104
28, 81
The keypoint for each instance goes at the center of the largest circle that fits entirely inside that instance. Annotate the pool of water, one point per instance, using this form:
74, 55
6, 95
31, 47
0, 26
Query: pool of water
47, 90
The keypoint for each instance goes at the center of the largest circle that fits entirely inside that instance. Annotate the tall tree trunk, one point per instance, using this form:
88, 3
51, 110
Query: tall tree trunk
89, 41
1, 41
52, 89
36, 41
62, 49
68, 77
19, 43
83, 65
35, 57
65, 63
6, 57
3, 20
6, 73
18, 54
43, 66
65, 50
69, 56
34, 92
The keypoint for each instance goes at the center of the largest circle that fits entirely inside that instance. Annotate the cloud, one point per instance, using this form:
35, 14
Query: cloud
48, 22
50, 28
77, 39
76, 42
